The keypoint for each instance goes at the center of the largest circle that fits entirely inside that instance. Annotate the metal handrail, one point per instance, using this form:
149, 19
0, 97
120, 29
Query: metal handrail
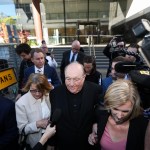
91, 45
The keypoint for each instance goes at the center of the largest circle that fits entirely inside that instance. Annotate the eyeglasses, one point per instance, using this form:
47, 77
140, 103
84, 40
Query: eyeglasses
35, 91
73, 79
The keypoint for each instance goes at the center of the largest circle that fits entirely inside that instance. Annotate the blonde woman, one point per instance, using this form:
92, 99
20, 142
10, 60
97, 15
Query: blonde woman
121, 125
33, 109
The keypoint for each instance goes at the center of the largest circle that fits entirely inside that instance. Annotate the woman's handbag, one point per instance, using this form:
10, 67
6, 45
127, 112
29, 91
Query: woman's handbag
22, 140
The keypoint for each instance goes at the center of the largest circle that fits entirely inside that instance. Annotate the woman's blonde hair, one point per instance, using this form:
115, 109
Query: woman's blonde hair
41, 82
119, 93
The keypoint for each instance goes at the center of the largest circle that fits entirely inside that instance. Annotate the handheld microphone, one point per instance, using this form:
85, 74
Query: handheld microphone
126, 66
55, 117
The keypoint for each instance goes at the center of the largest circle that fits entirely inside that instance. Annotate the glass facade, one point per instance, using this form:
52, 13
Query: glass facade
61, 19
65, 20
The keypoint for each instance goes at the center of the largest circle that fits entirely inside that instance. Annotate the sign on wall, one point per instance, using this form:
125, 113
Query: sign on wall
7, 78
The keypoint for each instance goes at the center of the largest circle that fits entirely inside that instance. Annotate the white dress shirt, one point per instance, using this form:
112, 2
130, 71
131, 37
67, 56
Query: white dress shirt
39, 70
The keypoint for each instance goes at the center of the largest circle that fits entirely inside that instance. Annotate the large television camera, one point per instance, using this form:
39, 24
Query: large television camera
139, 30
143, 29
137, 70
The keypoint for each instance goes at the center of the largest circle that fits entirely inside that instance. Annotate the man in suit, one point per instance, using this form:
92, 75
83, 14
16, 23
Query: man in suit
38, 58
69, 56
76, 99
8, 125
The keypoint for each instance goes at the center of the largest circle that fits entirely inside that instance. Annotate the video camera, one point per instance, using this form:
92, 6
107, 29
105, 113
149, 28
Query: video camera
140, 74
117, 45
141, 29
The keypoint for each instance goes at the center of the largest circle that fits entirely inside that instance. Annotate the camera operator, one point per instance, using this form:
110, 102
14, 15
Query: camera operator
113, 50
142, 78
138, 74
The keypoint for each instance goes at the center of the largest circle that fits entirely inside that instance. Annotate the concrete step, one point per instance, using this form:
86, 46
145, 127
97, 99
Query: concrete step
101, 59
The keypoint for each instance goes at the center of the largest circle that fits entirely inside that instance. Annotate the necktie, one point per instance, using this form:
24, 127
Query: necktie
39, 71
73, 57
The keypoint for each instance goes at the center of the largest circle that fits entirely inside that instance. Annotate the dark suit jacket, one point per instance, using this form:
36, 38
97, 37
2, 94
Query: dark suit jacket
106, 82
71, 135
38, 146
136, 133
8, 125
65, 61
24, 64
49, 72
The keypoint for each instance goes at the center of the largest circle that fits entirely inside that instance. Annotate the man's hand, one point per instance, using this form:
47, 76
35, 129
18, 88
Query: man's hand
92, 139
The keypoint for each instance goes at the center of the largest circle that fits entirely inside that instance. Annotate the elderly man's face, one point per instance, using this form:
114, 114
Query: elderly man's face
74, 78
75, 48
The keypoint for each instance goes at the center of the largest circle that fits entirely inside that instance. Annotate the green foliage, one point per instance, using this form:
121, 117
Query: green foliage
8, 20
32, 42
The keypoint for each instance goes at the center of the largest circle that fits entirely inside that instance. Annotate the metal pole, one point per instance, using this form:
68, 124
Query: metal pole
37, 20
88, 10
64, 8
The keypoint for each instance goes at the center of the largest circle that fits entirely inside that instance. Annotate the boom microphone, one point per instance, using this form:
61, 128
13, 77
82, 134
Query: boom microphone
126, 66
55, 117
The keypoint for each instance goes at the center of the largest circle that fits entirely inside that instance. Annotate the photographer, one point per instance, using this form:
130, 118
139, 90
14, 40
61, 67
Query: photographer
113, 50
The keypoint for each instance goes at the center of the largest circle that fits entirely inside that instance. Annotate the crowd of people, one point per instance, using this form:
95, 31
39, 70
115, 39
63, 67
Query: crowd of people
97, 113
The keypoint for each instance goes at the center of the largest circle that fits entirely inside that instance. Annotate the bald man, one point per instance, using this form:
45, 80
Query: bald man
76, 99
70, 56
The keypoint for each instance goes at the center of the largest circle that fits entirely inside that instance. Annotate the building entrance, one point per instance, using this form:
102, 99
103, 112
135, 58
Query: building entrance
86, 29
